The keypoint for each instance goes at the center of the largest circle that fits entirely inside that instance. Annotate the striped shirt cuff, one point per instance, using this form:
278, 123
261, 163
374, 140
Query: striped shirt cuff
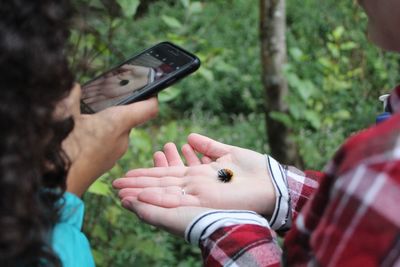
208, 222
281, 218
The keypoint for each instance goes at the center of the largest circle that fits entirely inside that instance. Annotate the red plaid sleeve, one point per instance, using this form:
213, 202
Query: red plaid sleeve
353, 218
293, 188
241, 245
301, 186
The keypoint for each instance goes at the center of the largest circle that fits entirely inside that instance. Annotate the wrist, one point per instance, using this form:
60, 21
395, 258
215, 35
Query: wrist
79, 180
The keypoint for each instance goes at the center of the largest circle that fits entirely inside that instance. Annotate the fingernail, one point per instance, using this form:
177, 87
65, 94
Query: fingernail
125, 203
115, 182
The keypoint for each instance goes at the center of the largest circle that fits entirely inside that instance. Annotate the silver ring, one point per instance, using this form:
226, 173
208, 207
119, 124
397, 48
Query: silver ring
183, 192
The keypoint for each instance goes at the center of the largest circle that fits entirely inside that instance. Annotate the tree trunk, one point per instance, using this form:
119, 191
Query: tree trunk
273, 54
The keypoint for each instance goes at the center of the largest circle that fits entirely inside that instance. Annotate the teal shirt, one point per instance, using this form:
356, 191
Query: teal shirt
68, 241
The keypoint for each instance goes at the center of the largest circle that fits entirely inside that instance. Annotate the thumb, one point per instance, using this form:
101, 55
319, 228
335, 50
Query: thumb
136, 113
207, 146
173, 220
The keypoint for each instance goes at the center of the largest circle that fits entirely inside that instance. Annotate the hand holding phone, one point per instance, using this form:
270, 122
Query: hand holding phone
138, 77
98, 140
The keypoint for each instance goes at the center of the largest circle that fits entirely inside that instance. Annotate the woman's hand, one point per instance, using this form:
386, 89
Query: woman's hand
173, 220
99, 140
172, 184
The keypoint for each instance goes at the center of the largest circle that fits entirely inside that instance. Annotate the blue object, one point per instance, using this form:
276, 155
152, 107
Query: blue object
385, 114
382, 117
68, 241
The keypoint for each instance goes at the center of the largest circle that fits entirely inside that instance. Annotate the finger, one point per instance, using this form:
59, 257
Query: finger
171, 197
95, 99
95, 84
102, 83
206, 160
148, 213
103, 87
91, 94
129, 116
173, 220
129, 192
190, 155
142, 182
70, 105
207, 146
172, 155
131, 67
177, 171
135, 192
159, 159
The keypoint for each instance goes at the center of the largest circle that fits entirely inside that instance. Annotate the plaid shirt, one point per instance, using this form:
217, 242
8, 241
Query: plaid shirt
349, 215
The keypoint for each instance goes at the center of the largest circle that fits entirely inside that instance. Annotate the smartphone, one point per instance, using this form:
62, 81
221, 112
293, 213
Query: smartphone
139, 77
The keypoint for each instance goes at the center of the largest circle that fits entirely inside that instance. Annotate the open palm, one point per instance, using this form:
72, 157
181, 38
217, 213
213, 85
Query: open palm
171, 184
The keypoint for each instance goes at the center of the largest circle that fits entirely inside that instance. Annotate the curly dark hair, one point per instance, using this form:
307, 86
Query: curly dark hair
34, 76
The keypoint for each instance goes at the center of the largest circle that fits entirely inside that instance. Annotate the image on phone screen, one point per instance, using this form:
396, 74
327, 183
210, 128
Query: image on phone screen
119, 84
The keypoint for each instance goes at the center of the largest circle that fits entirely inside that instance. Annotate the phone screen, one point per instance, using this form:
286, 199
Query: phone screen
133, 76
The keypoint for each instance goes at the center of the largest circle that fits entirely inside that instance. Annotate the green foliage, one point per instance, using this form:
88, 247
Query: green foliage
335, 76
334, 79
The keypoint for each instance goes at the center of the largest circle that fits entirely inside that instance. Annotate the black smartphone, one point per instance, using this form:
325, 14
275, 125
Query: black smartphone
139, 77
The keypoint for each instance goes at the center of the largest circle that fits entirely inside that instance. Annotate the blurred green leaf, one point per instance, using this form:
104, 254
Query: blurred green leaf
140, 141
338, 33
206, 74
281, 117
172, 22
195, 7
168, 94
170, 131
112, 214
222, 66
334, 49
98, 256
313, 118
96, 4
343, 114
185, 3
100, 188
99, 232
348, 46
129, 7
296, 53
306, 89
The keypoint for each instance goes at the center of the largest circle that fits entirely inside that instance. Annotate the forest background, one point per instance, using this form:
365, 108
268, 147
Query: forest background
334, 75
